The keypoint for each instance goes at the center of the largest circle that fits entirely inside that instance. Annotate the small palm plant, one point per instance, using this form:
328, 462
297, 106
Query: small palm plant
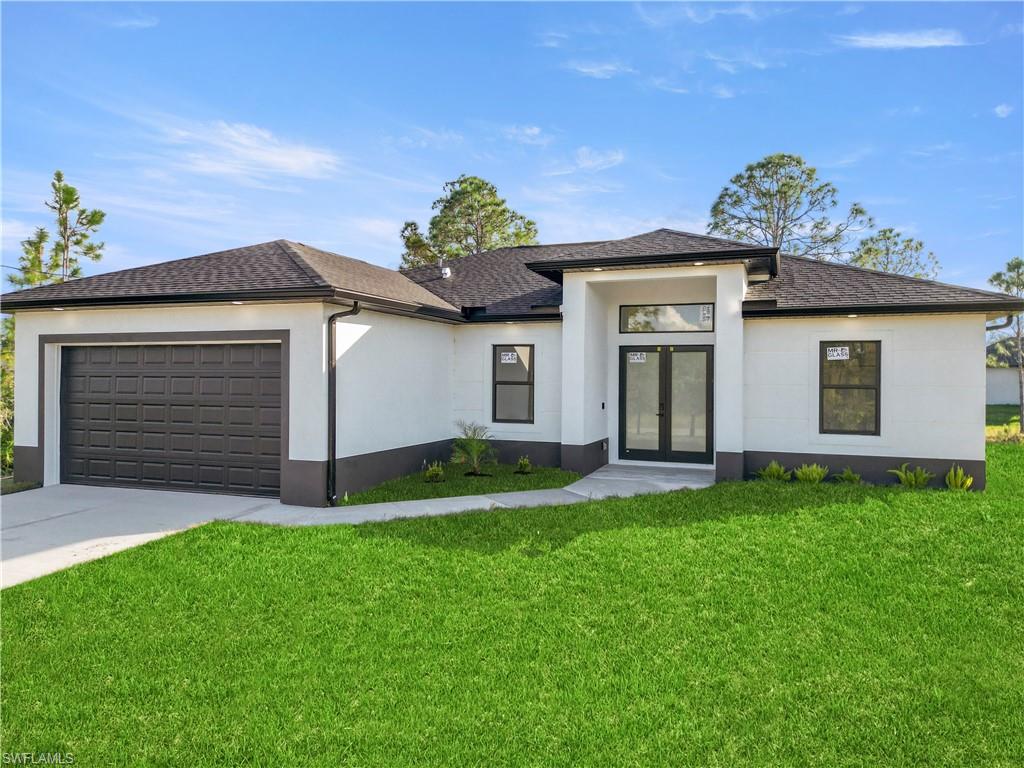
958, 480
810, 473
774, 471
473, 447
523, 466
434, 473
847, 476
918, 477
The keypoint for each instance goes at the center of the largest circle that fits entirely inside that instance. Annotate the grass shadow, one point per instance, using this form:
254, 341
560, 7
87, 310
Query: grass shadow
553, 527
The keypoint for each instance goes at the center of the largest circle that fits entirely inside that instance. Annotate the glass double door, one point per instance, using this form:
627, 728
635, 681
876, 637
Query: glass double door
666, 403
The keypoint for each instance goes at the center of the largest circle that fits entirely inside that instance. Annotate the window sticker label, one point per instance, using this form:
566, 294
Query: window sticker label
707, 313
837, 353
637, 357
509, 357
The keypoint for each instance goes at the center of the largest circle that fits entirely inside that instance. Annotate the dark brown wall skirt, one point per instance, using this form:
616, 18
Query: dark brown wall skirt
728, 466
585, 458
28, 464
872, 469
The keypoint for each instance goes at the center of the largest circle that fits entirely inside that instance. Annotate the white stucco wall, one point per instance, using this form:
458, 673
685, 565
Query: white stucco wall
394, 382
591, 341
307, 431
1002, 386
932, 385
471, 394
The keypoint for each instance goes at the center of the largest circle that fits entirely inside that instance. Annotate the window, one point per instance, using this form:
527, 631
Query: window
850, 382
667, 318
513, 383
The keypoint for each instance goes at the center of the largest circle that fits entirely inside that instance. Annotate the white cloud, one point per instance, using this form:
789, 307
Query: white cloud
1002, 110
931, 150
247, 151
850, 9
664, 84
923, 38
423, 138
589, 160
910, 111
663, 15
600, 70
733, 64
850, 158
566, 191
722, 92
551, 39
134, 22
527, 134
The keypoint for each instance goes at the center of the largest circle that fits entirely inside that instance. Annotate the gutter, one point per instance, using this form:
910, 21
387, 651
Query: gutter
332, 403
999, 326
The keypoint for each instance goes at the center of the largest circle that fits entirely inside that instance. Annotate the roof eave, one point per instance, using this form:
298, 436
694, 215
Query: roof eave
551, 267
210, 297
761, 308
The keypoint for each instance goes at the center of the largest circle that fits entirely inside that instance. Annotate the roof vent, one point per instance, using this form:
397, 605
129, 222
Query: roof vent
446, 272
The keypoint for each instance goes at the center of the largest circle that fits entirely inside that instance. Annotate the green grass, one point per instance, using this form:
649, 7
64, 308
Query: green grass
1002, 421
749, 624
500, 478
9, 485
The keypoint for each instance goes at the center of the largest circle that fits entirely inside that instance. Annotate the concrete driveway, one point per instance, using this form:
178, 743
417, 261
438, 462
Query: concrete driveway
49, 529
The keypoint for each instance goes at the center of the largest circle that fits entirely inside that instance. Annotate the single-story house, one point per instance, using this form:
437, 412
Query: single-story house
285, 370
1003, 381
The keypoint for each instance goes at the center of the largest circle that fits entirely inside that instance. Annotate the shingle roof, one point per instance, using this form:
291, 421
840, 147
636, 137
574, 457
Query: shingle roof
498, 280
660, 242
278, 268
807, 286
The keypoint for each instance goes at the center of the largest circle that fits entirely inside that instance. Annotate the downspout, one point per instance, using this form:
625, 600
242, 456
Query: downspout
332, 403
999, 326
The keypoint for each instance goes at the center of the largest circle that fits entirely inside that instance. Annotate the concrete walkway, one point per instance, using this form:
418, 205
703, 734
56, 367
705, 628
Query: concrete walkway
610, 480
52, 528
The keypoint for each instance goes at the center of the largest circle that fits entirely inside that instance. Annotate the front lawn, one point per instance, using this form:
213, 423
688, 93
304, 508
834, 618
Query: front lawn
1002, 422
748, 624
499, 478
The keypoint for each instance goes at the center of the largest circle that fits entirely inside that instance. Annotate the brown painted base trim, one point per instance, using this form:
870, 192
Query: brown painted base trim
541, 454
585, 458
872, 469
357, 473
303, 483
728, 466
28, 464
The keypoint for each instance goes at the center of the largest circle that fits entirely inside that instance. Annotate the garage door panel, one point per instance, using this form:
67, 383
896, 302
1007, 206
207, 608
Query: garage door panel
205, 417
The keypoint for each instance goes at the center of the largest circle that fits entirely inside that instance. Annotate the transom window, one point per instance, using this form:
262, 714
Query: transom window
850, 381
667, 318
513, 383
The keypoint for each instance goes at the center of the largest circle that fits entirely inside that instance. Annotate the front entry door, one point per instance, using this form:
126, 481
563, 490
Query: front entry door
666, 403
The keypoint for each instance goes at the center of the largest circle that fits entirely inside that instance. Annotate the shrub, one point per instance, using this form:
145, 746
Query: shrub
434, 473
774, 471
918, 477
1004, 433
810, 473
847, 476
523, 466
958, 480
473, 447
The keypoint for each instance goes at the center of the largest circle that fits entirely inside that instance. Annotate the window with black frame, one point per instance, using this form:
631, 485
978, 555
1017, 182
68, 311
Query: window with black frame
513, 383
850, 383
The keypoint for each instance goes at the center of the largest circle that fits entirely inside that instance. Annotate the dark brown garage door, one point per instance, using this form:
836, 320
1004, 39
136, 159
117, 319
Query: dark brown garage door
203, 417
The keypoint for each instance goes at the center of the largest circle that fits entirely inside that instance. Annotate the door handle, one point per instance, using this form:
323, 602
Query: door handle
661, 410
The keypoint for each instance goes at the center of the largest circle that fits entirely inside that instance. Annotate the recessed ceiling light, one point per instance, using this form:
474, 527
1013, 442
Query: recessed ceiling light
236, 302
597, 269
58, 309
698, 263
851, 315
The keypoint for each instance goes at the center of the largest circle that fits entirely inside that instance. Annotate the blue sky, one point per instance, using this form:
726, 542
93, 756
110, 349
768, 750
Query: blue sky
199, 127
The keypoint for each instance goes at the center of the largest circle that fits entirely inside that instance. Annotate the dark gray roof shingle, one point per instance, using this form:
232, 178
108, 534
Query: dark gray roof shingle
809, 285
660, 242
499, 279
277, 267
